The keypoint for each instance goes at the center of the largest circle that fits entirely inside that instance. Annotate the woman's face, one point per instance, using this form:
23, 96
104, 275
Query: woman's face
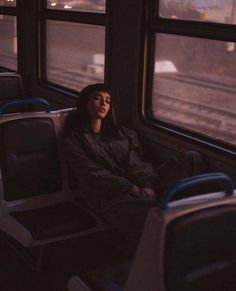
99, 105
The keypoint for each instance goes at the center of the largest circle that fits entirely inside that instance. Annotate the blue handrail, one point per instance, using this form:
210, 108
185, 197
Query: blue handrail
24, 101
196, 181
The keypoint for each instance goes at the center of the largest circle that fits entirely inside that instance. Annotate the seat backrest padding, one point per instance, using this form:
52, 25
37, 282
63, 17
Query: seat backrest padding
29, 158
200, 250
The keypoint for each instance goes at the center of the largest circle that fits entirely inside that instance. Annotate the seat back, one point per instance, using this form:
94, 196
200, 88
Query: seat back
31, 151
200, 250
188, 246
10, 86
29, 157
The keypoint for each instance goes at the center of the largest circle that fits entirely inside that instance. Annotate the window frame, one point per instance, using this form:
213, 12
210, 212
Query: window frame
80, 17
192, 28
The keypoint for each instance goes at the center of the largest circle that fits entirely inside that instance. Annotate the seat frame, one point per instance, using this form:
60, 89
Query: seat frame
147, 272
15, 230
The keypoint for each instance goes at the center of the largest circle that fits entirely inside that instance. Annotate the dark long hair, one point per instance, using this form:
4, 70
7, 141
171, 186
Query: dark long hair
80, 119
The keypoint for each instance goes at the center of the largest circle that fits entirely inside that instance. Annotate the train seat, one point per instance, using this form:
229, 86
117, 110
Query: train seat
10, 86
37, 205
187, 244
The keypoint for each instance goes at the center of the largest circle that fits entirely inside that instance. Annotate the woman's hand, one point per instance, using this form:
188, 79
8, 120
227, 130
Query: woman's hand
143, 192
135, 190
148, 192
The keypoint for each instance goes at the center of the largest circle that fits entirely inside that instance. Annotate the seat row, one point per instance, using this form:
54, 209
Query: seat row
185, 245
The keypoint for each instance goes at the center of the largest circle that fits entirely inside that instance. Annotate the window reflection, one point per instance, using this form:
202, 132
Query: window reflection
97, 6
195, 84
8, 42
221, 11
75, 54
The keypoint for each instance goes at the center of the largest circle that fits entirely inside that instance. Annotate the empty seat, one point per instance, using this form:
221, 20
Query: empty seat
10, 86
37, 206
186, 245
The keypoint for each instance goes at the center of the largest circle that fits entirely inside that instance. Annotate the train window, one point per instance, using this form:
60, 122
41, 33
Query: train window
82, 53
213, 11
8, 43
75, 35
192, 65
97, 6
194, 84
8, 3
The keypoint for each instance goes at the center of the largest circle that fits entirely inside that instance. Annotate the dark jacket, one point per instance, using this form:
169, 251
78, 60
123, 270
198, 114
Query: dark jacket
106, 168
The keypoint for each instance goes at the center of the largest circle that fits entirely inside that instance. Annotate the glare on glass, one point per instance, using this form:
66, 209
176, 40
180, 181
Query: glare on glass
195, 85
8, 42
75, 54
220, 11
97, 6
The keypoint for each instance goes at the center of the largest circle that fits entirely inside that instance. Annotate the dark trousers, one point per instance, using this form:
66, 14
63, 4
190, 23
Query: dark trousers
129, 216
185, 165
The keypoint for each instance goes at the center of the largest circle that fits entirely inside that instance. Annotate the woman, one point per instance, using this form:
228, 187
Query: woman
108, 164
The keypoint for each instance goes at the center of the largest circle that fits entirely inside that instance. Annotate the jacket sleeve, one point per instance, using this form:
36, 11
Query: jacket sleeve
140, 171
93, 175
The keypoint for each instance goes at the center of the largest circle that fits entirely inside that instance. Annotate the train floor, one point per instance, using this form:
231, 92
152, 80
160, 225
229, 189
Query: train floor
60, 261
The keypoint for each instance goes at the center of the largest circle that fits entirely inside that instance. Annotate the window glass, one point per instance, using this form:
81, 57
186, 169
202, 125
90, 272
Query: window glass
7, 2
97, 6
221, 11
194, 85
8, 42
75, 54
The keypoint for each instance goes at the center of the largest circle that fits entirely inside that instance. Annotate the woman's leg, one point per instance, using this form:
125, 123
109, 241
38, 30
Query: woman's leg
185, 165
129, 218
